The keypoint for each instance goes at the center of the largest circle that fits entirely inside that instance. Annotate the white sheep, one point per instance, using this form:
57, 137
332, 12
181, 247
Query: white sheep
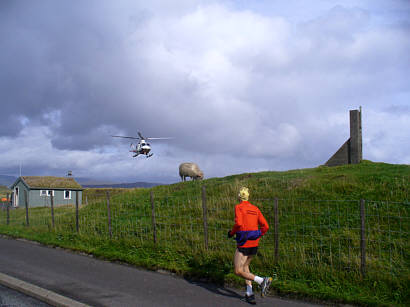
190, 170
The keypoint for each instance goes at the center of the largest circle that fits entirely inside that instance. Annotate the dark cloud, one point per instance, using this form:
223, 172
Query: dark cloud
234, 87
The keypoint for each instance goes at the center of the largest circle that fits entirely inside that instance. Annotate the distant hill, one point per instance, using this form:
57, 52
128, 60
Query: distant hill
91, 181
123, 185
7, 180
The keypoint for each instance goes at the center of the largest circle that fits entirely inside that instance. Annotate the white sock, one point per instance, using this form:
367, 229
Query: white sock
249, 290
258, 279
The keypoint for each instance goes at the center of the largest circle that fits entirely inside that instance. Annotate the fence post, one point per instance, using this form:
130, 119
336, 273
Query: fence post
154, 226
76, 212
276, 228
8, 209
205, 216
26, 203
52, 209
362, 237
109, 214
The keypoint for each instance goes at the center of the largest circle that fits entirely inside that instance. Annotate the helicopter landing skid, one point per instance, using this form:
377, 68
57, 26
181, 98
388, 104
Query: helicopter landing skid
150, 155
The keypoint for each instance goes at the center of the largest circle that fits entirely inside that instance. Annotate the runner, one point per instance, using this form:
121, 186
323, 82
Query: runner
248, 218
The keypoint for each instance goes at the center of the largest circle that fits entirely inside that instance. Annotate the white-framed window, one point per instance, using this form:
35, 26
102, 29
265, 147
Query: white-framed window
67, 194
46, 192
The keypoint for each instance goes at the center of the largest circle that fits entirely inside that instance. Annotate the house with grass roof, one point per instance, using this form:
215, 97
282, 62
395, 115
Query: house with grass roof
39, 190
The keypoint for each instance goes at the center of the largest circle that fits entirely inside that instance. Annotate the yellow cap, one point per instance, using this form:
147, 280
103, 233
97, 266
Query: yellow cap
244, 193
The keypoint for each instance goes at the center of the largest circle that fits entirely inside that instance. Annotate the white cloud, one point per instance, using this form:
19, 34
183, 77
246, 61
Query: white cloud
386, 137
238, 89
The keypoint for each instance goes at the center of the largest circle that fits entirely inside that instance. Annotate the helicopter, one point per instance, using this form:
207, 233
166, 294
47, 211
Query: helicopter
142, 147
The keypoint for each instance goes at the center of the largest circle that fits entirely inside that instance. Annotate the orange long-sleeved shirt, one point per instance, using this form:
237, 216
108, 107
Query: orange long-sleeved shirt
249, 217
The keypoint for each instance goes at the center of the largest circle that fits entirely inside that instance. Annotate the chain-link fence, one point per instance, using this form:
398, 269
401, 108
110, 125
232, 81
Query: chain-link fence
353, 236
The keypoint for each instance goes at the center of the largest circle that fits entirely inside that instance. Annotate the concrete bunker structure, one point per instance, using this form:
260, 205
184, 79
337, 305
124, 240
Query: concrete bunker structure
351, 152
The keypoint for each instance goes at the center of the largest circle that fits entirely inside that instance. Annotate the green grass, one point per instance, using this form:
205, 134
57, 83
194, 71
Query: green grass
319, 230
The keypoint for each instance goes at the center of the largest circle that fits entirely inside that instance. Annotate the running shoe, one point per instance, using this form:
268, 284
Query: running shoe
265, 285
250, 299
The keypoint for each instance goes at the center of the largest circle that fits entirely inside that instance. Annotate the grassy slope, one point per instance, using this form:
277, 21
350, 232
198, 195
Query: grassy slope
374, 181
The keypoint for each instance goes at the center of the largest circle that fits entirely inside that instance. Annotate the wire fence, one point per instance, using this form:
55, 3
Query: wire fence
354, 236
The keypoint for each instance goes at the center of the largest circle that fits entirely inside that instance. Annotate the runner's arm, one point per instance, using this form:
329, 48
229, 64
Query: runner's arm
262, 223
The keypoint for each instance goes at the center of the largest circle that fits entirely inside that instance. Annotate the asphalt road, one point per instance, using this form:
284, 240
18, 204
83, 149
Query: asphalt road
101, 283
12, 298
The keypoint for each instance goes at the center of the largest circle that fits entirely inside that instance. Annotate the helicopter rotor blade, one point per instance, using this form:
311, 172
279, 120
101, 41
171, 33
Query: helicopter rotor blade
125, 137
140, 135
168, 138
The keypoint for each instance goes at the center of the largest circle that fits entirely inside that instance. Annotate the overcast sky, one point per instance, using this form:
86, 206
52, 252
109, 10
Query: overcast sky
242, 86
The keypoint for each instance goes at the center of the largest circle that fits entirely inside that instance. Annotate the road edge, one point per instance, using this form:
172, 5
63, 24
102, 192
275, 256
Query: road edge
42, 294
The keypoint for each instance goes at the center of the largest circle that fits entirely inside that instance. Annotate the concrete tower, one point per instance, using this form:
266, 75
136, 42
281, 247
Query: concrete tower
351, 152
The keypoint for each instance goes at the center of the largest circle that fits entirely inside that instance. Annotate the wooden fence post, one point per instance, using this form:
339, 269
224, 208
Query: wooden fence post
26, 203
205, 216
154, 226
276, 228
8, 209
76, 212
109, 214
362, 237
52, 209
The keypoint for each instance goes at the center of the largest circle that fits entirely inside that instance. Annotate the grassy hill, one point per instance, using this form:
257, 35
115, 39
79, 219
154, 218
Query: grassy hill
318, 230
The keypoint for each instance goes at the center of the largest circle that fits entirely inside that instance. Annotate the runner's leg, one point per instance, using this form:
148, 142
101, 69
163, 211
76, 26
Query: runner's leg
239, 263
246, 269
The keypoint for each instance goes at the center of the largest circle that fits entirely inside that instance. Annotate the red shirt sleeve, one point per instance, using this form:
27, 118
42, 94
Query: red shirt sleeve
262, 223
238, 220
